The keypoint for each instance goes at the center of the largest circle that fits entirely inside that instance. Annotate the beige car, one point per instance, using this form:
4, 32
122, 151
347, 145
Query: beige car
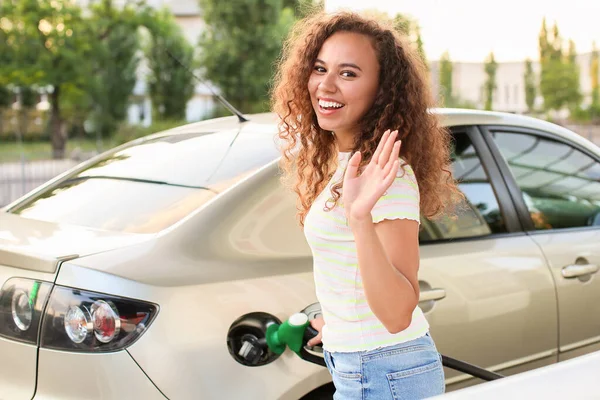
125, 277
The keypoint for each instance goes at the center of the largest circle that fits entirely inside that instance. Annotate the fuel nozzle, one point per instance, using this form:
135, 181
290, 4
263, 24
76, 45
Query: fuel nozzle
259, 338
290, 333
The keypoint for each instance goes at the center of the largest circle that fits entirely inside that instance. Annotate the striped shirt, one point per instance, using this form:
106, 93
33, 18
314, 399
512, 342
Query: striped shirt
350, 324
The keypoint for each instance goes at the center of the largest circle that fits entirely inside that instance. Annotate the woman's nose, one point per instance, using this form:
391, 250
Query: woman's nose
327, 83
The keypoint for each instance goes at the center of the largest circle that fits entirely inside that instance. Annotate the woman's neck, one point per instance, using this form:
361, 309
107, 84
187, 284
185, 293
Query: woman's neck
344, 141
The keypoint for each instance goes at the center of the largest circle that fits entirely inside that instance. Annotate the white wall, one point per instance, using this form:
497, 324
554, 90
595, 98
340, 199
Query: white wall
468, 80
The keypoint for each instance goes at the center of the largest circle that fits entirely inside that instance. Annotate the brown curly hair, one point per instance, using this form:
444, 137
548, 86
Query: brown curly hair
404, 106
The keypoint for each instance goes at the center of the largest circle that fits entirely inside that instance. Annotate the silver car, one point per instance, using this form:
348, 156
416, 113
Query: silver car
127, 276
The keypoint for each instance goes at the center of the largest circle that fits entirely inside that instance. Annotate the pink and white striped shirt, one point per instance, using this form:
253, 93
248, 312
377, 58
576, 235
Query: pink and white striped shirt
350, 325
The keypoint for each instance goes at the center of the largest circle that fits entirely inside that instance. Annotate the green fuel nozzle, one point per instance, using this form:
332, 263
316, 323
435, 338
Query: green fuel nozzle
290, 333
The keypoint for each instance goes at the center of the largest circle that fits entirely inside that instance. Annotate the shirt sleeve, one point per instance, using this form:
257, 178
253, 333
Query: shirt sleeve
401, 200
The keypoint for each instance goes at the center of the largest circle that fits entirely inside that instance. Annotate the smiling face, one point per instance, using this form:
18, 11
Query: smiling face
343, 84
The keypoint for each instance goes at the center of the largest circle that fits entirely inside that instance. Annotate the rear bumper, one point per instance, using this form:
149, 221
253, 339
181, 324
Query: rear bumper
65, 375
17, 370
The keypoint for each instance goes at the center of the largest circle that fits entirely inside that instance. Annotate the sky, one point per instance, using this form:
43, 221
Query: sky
470, 29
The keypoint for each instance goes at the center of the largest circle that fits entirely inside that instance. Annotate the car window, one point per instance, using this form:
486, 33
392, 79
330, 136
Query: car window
479, 215
115, 204
560, 184
148, 186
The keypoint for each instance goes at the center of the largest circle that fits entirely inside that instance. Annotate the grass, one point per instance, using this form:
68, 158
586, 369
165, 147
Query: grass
11, 151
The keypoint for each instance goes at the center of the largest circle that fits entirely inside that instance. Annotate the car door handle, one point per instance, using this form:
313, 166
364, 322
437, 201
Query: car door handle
432, 294
573, 271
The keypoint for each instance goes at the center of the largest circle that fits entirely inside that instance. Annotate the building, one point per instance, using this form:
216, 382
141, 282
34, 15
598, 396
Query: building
468, 80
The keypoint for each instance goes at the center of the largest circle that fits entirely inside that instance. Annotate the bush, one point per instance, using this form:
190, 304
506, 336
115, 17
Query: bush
36, 129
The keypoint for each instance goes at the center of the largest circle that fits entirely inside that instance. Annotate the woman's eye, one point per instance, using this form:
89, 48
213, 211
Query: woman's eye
319, 69
349, 74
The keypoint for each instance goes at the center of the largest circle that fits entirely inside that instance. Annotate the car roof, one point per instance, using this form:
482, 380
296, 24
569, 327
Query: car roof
267, 123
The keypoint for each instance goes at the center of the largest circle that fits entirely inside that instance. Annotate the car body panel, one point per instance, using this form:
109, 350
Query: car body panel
574, 247
18, 366
40, 245
17, 370
64, 375
185, 351
499, 311
241, 251
578, 298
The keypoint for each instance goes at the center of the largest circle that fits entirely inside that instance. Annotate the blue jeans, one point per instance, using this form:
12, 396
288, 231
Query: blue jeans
410, 370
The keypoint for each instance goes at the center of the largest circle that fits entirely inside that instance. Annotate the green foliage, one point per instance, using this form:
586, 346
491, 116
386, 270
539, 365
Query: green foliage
404, 24
239, 47
446, 79
410, 27
116, 45
491, 66
530, 85
594, 76
170, 85
6, 96
86, 61
559, 79
420, 48
302, 8
27, 96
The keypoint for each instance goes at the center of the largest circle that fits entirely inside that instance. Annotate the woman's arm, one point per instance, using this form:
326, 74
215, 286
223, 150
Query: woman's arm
388, 251
388, 259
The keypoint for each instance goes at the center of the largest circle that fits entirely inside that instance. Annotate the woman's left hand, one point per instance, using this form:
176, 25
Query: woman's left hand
360, 193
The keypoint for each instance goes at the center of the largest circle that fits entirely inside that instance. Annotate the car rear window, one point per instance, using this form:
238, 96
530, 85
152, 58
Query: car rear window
149, 186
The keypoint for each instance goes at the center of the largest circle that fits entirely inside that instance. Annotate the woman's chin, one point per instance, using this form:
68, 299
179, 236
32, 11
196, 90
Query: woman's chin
327, 125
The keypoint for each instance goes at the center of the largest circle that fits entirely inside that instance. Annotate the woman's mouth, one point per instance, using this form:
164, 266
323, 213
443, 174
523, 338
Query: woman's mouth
328, 107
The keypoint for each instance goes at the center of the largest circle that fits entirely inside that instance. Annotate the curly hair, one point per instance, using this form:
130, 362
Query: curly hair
309, 153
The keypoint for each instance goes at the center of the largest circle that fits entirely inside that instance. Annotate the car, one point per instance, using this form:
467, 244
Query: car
151, 270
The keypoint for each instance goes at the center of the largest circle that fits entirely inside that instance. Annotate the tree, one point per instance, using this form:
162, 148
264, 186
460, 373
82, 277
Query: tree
420, 48
491, 66
573, 95
530, 86
5, 101
116, 58
543, 44
170, 85
303, 8
86, 59
27, 101
410, 27
53, 49
559, 77
239, 47
594, 75
7, 59
446, 79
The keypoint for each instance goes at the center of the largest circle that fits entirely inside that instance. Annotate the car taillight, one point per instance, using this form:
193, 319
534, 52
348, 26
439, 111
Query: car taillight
83, 321
21, 305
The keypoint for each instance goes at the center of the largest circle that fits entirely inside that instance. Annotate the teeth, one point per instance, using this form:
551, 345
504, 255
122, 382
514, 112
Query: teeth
330, 104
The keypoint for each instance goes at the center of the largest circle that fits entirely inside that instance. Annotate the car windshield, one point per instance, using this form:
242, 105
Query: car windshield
146, 187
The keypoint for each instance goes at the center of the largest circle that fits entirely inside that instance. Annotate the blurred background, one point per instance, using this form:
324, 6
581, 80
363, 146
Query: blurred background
81, 76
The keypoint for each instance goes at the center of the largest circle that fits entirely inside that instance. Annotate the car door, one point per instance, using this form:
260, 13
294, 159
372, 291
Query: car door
556, 184
485, 286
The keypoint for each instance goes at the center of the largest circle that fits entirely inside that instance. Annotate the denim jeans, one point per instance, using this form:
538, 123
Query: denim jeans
409, 370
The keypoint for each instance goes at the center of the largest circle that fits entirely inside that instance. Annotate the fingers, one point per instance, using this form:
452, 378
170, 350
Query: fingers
395, 156
314, 341
391, 174
382, 142
387, 151
352, 168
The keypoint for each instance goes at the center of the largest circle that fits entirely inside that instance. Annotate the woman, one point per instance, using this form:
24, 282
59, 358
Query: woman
365, 158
